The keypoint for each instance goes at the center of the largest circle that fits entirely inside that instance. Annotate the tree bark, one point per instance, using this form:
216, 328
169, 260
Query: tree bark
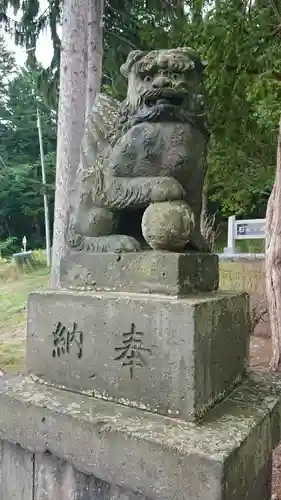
95, 46
204, 209
71, 119
273, 261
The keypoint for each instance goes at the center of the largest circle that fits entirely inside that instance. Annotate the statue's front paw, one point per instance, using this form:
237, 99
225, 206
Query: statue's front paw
123, 243
114, 243
167, 189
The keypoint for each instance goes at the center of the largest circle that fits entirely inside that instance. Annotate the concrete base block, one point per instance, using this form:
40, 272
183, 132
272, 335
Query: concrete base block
16, 472
171, 356
146, 272
42, 476
55, 479
137, 455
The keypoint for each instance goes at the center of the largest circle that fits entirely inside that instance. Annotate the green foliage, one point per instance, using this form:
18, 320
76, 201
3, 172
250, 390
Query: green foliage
21, 194
130, 25
8, 246
40, 258
19, 121
244, 115
21, 201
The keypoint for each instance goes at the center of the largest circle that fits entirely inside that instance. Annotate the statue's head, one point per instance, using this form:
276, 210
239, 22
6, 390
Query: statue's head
164, 84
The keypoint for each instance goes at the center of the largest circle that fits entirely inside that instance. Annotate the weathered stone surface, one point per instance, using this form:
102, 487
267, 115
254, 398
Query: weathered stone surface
16, 473
261, 486
42, 476
226, 457
150, 148
149, 272
168, 355
168, 225
56, 479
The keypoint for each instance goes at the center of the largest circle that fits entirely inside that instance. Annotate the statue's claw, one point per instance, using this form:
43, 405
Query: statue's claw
116, 243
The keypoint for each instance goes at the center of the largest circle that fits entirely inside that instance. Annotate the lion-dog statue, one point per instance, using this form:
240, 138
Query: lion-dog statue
150, 148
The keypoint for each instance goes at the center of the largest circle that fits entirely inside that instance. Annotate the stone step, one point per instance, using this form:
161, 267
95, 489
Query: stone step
150, 457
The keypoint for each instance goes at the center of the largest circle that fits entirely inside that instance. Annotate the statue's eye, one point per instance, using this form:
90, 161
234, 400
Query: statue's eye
147, 79
176, 76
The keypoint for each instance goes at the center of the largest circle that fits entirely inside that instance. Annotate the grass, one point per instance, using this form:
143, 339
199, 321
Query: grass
15, 287
239, 275
243, 246
14, 295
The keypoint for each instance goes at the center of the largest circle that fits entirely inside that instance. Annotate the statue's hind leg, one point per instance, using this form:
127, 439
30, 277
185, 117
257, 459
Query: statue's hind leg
95, 231
96, 228
96, 221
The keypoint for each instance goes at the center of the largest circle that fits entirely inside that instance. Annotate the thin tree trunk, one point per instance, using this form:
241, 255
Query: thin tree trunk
71, 119
204, 209
273, 261
95, 46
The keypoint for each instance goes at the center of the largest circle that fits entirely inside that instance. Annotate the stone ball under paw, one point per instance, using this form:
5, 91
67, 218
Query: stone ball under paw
167, 225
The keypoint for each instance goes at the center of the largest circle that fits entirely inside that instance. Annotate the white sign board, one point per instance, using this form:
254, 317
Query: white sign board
248, 229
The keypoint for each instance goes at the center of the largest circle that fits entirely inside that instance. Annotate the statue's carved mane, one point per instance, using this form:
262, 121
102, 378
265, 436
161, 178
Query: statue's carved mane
108, 180
129, 111
127, 119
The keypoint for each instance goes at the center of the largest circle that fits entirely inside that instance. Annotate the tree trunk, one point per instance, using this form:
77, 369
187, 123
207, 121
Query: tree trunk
71, 119
204, 209
95, 45
273, 261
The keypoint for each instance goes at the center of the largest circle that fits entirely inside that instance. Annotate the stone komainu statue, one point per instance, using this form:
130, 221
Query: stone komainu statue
150, 148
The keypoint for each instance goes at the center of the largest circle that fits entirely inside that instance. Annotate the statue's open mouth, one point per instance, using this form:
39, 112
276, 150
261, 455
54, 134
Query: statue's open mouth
160, 104
163, 98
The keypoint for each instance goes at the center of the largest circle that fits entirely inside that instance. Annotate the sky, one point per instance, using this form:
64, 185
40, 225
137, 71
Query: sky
44, 50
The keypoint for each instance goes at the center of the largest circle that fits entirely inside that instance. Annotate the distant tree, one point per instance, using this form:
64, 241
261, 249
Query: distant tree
7, 68
21, 196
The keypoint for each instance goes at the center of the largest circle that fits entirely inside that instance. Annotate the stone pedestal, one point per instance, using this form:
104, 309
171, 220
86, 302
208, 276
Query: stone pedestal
139, 388
167, 273
167, 355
